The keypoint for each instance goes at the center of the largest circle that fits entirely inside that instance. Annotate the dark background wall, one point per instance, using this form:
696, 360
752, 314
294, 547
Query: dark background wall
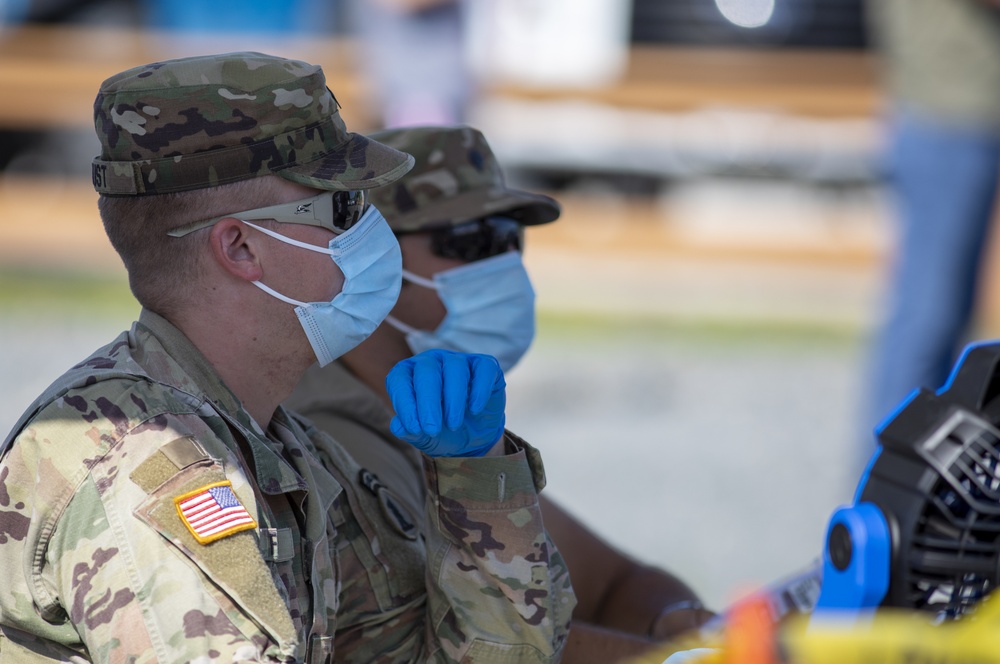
795, 23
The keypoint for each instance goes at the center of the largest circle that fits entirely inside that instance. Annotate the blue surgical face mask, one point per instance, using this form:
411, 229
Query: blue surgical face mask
368, 255
491, 310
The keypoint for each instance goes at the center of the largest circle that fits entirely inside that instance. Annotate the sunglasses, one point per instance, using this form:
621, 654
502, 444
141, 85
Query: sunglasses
336, 211
477, 239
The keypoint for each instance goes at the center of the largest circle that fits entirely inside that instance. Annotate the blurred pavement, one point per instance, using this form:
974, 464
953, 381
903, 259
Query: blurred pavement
720, 462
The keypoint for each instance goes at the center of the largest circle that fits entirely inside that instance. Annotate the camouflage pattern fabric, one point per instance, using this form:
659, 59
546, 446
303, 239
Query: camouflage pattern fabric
209, 120
337, 402
99, 565
456, 178
334, 400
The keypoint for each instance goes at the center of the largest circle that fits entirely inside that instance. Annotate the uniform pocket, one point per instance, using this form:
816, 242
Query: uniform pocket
384, 539
232, 564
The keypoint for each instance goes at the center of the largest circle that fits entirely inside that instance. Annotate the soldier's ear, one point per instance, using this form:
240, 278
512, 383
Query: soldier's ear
234, 249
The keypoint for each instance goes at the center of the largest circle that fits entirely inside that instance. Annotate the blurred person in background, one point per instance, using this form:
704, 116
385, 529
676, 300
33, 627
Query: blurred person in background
461, 231
412, 51
941, 62
156, 501
413, 54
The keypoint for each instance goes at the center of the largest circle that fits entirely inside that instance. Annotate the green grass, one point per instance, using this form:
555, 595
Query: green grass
36, 292
71, 294
715, 331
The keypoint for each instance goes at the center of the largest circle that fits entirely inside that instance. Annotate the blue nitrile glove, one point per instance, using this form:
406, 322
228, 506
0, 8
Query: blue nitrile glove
447, 403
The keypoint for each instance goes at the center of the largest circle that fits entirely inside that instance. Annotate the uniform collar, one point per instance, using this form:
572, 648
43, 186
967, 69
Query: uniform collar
168, 356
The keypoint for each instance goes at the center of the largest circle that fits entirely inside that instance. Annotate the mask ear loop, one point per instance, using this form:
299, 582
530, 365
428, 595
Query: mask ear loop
420, 281
401, 326
283, 298
288, 240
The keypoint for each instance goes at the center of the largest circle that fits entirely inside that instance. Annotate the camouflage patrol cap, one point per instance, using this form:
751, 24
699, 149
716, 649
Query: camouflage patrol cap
456, 178
203, 121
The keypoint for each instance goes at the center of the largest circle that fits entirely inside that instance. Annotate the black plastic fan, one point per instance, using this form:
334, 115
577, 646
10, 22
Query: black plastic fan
936, 479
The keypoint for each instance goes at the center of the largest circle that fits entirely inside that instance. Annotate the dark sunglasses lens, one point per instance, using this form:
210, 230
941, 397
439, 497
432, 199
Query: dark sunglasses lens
478, 239
348, 208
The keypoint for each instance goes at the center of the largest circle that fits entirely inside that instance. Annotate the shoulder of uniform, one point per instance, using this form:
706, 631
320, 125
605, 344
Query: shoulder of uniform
102, 413
121, 401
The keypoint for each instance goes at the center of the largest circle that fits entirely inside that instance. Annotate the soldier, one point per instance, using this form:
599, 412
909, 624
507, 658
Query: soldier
158, 504
465, 289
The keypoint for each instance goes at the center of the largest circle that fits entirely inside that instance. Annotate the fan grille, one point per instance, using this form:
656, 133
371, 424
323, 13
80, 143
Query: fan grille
952, 559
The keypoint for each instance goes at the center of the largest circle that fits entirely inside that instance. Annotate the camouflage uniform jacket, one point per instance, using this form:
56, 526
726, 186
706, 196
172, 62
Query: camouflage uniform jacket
101, 562
342, 406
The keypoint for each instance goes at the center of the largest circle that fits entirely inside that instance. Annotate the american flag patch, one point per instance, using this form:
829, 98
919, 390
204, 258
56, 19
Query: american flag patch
213, 512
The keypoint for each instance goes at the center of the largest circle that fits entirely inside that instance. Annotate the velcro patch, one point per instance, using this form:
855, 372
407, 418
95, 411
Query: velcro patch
213, 512
393, 509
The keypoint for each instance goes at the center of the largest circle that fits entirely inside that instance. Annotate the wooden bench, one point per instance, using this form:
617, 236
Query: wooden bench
50, 75
819, 83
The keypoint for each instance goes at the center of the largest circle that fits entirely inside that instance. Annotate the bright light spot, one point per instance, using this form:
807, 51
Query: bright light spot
746, 13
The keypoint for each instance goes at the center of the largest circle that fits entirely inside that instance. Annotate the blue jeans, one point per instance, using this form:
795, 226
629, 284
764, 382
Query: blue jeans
944, 179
